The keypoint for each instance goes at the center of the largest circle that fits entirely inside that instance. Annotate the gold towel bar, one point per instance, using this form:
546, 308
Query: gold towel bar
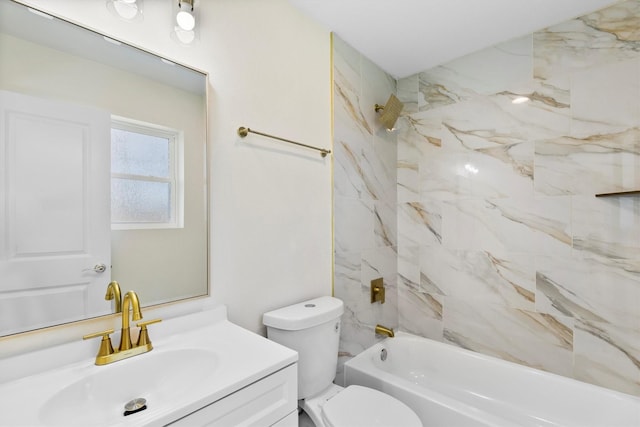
243, 131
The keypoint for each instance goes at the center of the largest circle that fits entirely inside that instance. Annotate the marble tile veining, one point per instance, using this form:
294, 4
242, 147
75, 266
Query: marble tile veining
480, 277
608, 227
420, 313
365, 199
500, 225
420, 223
354, 224
479, 212
538, 340
409, 266
598, 163
608, 94
607, 356
586, 42
486, 72
589, 288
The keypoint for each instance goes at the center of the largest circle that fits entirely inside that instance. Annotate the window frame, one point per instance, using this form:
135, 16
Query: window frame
176, 172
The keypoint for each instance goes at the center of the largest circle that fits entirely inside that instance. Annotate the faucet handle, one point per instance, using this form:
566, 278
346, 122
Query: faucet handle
143, 336
148, 322
105, 345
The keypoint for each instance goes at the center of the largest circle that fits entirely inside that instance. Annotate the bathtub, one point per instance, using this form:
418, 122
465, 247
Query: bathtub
450, 386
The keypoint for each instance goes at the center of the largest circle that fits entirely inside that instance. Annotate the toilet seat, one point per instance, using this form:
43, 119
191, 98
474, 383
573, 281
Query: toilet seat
366, 407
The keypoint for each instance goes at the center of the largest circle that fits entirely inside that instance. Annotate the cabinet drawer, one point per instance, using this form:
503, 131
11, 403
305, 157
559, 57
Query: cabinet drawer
262, 403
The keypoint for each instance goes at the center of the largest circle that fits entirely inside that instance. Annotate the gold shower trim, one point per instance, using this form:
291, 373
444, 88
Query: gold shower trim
244, 131
390, 112
333, 159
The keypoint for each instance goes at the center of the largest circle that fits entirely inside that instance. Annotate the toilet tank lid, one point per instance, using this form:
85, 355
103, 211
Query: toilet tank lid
305, 314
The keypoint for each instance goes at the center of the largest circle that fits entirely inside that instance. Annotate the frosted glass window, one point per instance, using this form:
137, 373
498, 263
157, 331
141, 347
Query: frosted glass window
140, 201
139, 154
145, 176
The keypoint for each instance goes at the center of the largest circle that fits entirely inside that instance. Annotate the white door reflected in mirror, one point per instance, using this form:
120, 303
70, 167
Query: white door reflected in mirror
56, 218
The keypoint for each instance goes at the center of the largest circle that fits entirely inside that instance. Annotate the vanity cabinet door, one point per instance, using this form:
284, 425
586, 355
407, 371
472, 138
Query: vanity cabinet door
290, 420
263, 403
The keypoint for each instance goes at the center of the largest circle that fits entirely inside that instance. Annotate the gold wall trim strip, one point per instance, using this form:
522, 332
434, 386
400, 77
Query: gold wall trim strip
333, 235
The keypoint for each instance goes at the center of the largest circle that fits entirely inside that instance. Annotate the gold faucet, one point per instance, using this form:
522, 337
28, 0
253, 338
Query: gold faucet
130, 300
113, 293
126, 349
383, 330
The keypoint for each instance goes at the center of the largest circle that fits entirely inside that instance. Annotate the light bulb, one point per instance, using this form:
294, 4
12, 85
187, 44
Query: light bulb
184, 17
185, 20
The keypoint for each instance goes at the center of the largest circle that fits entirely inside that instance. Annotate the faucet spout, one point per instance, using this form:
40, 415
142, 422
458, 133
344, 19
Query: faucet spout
382, 330
129, 302
113, 293
107, 354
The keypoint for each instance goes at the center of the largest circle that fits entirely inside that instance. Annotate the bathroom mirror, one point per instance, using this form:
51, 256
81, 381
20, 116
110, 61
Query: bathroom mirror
103, 173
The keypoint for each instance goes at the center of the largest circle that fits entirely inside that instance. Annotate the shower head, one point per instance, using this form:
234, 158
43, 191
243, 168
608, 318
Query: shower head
390, 111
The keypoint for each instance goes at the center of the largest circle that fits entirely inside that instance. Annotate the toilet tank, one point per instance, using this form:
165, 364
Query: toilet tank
312, 328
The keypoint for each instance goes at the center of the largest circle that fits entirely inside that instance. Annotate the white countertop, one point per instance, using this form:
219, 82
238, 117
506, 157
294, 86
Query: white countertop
242, 357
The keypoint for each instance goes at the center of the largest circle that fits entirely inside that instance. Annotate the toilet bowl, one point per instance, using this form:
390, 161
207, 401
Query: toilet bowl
312, 328
357, 406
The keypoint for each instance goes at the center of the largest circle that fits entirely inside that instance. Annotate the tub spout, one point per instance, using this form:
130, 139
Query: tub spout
383, 330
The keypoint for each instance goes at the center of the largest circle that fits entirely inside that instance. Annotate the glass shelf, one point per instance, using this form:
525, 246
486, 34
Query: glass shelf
620, 193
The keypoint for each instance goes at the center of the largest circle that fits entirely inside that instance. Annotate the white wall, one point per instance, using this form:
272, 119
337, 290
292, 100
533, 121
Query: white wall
269, 69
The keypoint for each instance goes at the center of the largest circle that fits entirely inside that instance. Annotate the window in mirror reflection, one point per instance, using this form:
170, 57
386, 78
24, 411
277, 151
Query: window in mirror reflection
145, 176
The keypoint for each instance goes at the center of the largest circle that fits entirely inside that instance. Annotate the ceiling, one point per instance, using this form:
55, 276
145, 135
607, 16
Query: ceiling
404, 37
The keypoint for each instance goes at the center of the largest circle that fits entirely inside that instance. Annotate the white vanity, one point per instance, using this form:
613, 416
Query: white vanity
203, 371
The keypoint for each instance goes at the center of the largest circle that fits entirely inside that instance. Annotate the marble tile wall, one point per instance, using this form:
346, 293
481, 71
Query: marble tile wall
365, 187
502, 247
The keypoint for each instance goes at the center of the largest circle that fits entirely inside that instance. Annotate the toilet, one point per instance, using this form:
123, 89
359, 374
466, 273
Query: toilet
312, 328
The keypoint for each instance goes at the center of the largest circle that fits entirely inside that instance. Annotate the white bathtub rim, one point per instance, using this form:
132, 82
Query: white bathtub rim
361, 366
495, 360
440, 399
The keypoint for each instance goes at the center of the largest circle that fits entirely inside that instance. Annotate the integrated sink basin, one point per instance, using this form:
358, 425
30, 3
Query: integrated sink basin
160, 377
198, 361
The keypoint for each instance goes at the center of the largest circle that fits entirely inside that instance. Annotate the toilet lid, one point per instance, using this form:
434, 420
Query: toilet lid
366, 407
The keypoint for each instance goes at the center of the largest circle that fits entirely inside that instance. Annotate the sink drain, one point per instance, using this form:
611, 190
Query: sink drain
135, 405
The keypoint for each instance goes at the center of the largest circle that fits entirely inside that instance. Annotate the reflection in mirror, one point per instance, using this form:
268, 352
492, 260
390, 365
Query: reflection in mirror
103, 173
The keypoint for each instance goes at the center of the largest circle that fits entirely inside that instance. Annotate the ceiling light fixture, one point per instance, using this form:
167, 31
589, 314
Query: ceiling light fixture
185, 18
184, 28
